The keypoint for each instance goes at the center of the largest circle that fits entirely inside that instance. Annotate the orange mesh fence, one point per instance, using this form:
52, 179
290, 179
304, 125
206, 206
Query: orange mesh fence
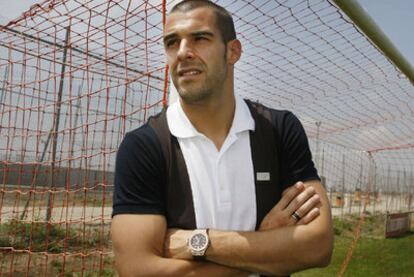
75, 76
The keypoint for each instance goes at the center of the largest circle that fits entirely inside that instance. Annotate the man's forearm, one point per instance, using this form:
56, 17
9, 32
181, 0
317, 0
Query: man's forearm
273, 252
138, 248
158, 266
280, 251
172, 267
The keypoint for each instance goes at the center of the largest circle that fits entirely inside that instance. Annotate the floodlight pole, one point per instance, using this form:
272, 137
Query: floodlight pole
318, 125
362, 19
56, 127
3, 89
343, 185
371, 181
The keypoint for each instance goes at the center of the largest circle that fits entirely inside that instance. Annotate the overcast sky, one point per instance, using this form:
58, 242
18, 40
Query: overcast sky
395, 17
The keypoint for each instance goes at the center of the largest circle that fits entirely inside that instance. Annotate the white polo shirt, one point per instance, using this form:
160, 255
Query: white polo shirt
222, 182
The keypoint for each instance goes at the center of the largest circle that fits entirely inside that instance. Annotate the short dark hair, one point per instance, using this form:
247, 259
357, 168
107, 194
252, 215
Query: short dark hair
224, 20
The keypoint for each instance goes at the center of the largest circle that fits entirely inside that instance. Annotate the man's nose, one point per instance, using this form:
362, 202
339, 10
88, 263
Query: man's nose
185, 51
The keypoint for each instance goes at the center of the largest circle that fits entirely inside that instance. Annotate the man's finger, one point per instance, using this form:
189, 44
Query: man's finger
289, 194
300, 200
309, 217
298, 185
309, 205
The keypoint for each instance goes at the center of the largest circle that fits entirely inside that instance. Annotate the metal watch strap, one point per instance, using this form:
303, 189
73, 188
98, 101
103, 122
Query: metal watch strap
199, 258
203, 256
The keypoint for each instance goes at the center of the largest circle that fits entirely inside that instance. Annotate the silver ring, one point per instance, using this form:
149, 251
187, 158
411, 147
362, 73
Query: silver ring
296, 216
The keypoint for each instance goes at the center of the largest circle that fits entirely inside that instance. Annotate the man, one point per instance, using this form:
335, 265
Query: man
194, 183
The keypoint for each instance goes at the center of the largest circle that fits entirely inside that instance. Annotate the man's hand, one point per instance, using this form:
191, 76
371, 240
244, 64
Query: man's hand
297, 198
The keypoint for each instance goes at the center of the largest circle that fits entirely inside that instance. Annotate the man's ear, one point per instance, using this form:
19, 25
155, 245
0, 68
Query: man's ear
234, 50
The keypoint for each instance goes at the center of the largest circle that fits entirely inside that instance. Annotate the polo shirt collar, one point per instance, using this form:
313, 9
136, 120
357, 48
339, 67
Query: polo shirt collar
181, 127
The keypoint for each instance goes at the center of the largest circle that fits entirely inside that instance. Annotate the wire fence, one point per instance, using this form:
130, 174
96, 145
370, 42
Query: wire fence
75, 76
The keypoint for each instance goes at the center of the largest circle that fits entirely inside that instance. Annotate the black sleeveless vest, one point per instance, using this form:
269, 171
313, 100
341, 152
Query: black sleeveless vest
264, 142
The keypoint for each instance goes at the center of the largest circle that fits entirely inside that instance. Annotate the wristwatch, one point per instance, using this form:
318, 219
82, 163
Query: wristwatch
198, 243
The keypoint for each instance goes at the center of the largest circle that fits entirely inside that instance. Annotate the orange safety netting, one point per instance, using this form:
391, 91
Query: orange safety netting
75, 75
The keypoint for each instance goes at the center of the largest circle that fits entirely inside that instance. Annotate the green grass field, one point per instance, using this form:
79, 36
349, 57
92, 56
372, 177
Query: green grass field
373, 256
86, 244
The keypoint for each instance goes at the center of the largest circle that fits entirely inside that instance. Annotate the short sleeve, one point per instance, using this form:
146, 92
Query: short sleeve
295, 157
139, 177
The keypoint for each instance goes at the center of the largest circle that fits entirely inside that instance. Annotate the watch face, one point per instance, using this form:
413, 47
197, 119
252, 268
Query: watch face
198, 241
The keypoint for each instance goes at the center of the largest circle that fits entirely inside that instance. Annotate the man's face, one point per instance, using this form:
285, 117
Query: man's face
196, 54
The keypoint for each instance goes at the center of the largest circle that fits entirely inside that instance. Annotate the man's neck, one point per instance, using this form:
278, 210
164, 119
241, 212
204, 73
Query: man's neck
213, 117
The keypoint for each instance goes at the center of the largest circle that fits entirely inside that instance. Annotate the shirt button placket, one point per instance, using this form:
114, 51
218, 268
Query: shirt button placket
224, 194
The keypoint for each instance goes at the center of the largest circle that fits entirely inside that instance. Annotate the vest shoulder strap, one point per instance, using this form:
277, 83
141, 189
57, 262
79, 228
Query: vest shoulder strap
178, 194
264, 146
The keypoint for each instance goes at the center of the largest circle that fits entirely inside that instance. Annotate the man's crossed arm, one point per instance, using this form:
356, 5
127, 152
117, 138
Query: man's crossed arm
144, 247
138, 245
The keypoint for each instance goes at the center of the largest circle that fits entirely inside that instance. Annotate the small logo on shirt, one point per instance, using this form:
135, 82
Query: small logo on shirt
263, 176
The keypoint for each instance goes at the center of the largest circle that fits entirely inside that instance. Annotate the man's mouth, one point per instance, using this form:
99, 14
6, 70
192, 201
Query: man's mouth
188, 72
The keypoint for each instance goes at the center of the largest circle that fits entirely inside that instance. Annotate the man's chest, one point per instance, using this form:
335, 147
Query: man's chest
222, 182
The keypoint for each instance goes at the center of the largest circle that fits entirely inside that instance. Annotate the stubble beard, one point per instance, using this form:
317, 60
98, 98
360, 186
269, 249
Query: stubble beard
194, 93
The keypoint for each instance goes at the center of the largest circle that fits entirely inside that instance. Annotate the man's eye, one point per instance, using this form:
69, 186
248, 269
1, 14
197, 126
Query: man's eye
200, 38
170, 43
